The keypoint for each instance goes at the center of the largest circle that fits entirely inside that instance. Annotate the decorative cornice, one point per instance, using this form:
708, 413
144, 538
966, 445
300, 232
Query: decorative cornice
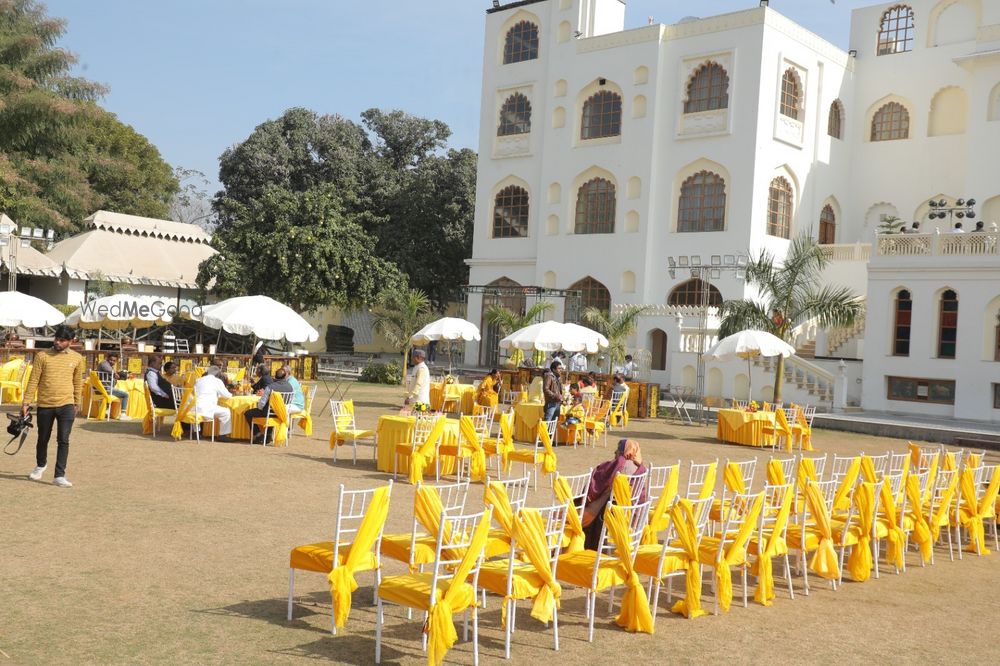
473, 261
648, 33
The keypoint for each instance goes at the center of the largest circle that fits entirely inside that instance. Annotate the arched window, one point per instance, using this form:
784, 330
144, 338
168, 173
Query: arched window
708, 89
835, 125
658, 347
521, 43
791, 94
891, 122
695, 292
510, 213
515, 116
593, 294
595, 207
702, 206
779, 208
602, 115
827, 225
901, 329
948, 325
895, 34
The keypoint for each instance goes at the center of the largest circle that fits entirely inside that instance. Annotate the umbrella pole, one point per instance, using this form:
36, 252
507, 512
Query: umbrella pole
749, 380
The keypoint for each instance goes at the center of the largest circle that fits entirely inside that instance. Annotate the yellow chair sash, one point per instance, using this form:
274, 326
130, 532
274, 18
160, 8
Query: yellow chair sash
549, 462
305, 416
971, 513
342, 581
106, 398
441, 634
781, 424
659, 517
279, 412
505, 442
635, 614
940, 517
622, 490
776, 473
896, 537
860, 561
824, 560
921, 530
421, 457
574, 528
733, 479
682, 514
805, 429
477, 456
868, 469
735, 553
949, 462
529, 532
708, 487
495, 496
842, 498
763, 568
184, 410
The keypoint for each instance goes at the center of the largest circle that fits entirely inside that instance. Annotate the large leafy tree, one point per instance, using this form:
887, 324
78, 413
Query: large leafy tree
398, 314
791, 293
615, 327
61, 155
301, 248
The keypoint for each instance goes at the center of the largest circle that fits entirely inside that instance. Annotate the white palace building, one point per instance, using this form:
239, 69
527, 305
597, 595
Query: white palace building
611, 161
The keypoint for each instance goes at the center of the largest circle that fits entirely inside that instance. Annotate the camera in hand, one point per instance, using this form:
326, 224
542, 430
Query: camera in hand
18, 424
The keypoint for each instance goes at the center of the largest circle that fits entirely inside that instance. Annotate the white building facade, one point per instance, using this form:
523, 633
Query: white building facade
612, 160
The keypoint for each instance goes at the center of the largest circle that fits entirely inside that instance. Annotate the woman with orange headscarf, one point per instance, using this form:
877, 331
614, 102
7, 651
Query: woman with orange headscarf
627, 460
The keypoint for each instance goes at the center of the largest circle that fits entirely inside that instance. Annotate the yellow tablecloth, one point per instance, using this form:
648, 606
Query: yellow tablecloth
526, 418
136, 396
465, 393
393, 430
741, 427
238, 405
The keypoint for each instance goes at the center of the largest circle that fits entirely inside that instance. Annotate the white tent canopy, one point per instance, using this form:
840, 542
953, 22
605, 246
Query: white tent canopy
550, 336
260, 316
446, 328
121, 311
17, 309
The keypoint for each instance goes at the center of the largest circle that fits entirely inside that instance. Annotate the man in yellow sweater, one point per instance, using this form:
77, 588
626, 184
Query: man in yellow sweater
57, 378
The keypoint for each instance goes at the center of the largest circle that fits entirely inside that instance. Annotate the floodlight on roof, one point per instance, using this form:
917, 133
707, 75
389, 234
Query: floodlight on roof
682, 261
716, 260
695, 260
38, 232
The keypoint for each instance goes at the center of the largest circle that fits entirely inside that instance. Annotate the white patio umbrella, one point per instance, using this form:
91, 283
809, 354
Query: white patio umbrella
594, 340
17, 309
550, 336
120, 311
448, 329
749, 344
261, 316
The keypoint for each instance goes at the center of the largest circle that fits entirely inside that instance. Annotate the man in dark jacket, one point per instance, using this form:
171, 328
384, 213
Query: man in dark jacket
279, 384
552, 390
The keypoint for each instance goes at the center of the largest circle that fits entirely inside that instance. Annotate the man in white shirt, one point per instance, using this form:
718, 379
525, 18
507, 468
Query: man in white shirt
207, 391
419, 389
578, 362
627, 369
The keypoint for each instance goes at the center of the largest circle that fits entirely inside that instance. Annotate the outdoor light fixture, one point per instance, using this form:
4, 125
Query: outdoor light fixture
853, 53
716, 260
763, 3
38, 233
496, 4
941, 210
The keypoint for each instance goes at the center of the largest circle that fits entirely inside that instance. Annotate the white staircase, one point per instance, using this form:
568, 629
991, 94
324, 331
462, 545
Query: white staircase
804, 382
839, 337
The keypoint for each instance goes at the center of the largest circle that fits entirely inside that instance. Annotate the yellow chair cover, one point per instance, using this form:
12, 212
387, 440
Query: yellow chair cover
421, 457
842, 498
529, 532
805, 431
824, 559
147, 421
972, 514
622, 490
305, 416
949, 462
735, 553
781, 425
107, 400
635, 614
775, 546
921, 530
708, 487
860, 561
659, 517
185, 413
495, 496
733, 479
549, 462
776, 473
574, 527
942, 517
342, 581
477, 456
505, 442
896, 537
868, 469
619, 415
685, 527
343, 432
279, 420
932, 472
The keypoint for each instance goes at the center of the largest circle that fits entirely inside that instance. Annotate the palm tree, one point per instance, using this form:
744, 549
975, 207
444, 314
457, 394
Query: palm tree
507, 321
616, 328
790, 293
398, 314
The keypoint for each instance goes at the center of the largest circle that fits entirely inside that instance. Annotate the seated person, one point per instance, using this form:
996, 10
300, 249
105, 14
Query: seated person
279, 384
627, 460
207, 391
108, 372
619, 390
576, 413
487, 395
298, 402
159, 388
587, 385
169, 372
262, 373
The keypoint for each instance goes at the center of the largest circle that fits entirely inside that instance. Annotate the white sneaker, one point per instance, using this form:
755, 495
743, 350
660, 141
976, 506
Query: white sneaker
62, 482
36, 474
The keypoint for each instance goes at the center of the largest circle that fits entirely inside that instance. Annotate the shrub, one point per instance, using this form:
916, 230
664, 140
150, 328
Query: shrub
381, 373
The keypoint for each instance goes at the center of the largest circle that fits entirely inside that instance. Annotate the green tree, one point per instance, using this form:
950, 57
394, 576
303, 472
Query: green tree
616, 328
507, 321
398, 314
302, 249
61, 156
791, 293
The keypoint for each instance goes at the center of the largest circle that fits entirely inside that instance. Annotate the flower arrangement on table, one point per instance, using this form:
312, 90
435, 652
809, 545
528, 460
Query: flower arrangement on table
752, 406
420, 407
448, 379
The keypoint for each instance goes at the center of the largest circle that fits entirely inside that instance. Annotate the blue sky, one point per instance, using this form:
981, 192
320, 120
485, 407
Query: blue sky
196, 76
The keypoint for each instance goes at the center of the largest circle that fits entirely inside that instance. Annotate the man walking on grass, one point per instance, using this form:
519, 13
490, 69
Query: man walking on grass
57, 377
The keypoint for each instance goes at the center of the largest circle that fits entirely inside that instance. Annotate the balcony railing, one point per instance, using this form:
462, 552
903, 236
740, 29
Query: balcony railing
973, 244
847, 252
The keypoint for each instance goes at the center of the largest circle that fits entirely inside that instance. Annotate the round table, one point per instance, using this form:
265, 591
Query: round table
238, 405
395, 429
739, 426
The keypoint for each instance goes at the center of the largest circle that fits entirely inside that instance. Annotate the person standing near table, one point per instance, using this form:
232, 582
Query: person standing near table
419, 389
552, 390
107, 370
57, 378
578, 362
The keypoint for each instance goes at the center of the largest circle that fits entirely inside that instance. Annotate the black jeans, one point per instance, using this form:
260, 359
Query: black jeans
64, 417
250, 415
